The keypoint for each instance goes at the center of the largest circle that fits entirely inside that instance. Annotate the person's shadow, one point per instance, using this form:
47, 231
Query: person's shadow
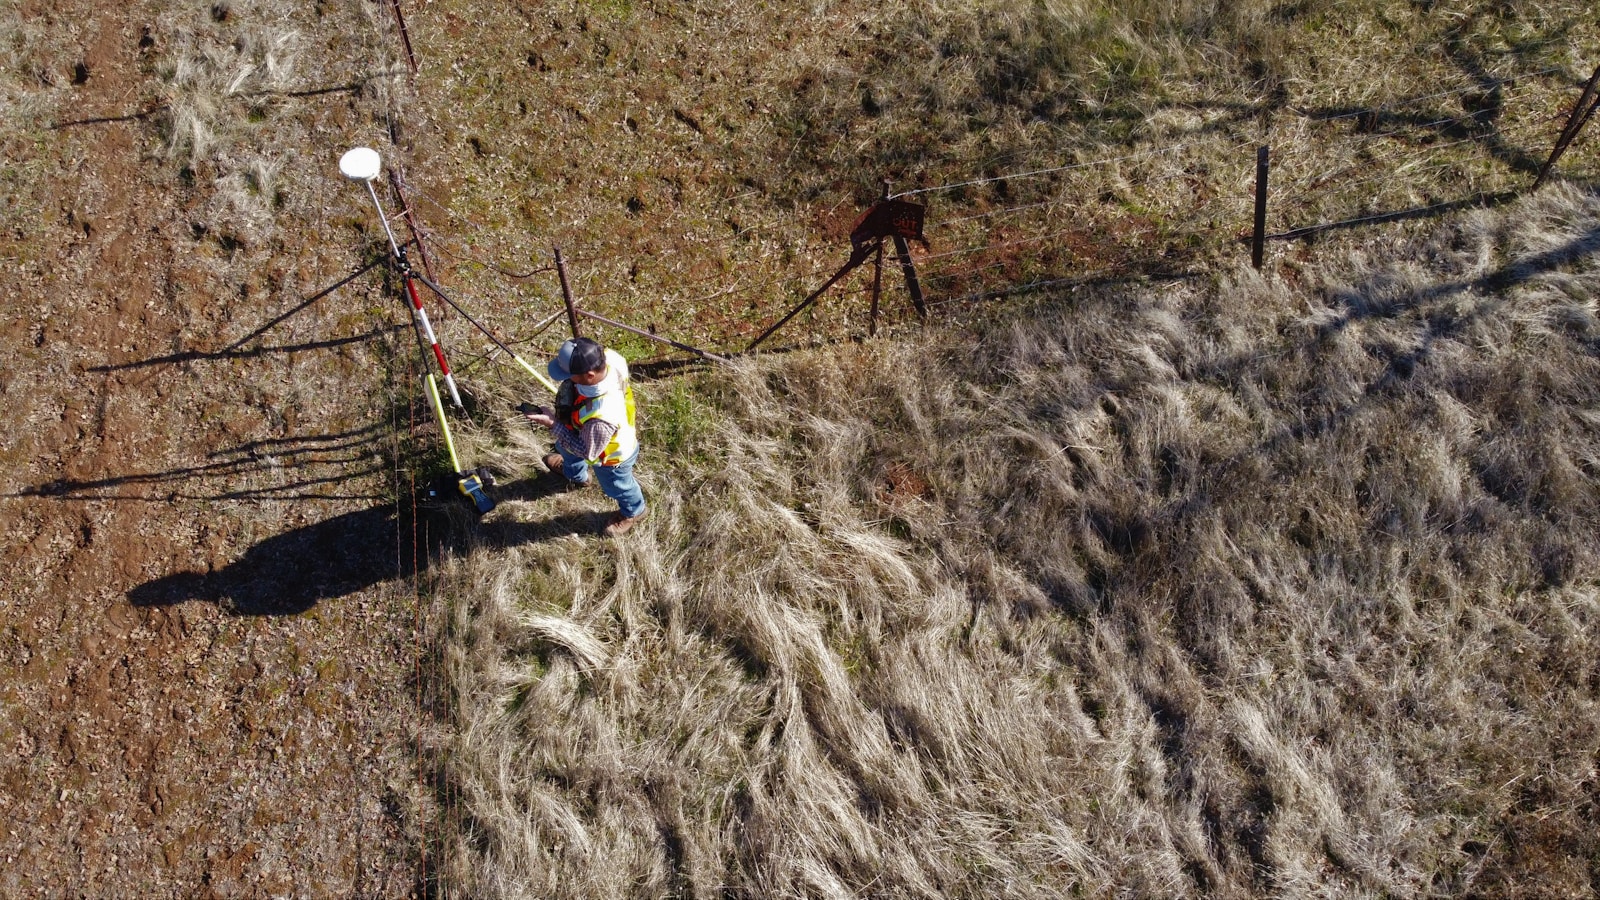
288, 573
291, 572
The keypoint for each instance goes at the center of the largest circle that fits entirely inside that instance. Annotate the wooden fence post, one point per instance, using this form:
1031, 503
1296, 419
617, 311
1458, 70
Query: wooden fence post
1575, 123
1258, 241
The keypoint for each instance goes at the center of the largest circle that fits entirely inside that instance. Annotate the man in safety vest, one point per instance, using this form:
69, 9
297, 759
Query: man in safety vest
593, 427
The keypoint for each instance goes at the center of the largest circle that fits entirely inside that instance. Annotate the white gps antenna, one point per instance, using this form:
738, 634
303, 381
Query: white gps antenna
363, 164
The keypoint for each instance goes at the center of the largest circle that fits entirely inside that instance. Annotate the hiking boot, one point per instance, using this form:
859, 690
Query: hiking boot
618, 524
554, 463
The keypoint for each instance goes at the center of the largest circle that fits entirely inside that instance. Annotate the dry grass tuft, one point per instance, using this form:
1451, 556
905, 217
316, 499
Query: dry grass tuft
238, 80
1234, 588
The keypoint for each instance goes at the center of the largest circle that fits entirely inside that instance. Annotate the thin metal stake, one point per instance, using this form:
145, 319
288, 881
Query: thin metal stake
909, 269
877, 287
857, 257
703, 354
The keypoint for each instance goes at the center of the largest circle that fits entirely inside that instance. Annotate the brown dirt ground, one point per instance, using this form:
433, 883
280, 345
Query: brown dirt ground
165, 730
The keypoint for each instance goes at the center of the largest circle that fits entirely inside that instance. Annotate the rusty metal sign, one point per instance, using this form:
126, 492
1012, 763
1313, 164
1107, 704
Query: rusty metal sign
889, 218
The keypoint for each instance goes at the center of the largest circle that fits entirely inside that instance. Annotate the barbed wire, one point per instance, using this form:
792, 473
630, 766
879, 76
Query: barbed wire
1395, 104
929, 262
1080, 278
1217, 236
1346, 223
804, 276
1429, 129
478, 226
1057, 201
1427, 152
592, 264
935, 276
1037, 172
582, 255
467, 257
703, 279
1503, 133
1004, 244
1297, 189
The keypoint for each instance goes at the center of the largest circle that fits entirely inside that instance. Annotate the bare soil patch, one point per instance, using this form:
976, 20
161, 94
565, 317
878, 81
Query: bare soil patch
165, 728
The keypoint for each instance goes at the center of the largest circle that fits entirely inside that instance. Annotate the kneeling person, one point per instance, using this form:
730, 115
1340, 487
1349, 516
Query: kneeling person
593, 426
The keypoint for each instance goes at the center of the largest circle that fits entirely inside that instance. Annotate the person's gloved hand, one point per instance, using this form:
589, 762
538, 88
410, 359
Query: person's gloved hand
538, 415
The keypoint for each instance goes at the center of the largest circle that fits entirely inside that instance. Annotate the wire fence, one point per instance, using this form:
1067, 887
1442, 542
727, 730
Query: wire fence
1150, 207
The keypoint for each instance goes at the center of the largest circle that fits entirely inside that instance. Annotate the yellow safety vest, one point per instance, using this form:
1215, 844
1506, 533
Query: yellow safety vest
613, 406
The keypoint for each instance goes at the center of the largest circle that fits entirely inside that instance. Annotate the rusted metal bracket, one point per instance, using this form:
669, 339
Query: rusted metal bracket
897, 220
900, 221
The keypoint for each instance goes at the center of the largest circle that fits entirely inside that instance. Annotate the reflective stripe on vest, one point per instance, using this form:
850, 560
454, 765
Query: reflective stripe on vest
614, 407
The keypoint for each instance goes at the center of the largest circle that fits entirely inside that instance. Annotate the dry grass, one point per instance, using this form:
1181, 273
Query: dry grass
234, 75
1231, 588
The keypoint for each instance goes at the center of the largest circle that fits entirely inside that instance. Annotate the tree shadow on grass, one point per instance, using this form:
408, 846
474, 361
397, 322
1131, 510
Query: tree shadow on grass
290, 573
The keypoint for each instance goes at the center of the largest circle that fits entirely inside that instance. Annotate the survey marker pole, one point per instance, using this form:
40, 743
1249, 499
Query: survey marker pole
363, 164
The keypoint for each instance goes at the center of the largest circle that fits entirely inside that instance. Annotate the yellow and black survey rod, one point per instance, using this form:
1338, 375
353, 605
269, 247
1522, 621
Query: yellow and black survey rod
471, 484
540, 376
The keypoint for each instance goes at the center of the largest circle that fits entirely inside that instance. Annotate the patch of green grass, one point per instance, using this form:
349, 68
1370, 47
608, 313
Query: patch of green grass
675, 418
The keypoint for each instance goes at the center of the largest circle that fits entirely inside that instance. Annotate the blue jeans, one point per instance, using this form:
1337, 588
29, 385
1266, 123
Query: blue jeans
617, 482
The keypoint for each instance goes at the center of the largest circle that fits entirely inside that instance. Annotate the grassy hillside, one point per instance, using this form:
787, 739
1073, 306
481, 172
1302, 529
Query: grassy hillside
1222, 587
1221, 584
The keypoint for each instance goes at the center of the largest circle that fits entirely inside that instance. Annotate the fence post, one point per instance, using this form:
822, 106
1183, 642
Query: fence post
1258, 241
398, 183
877, 271
903, 250
1575, 123
566, 294
405, 36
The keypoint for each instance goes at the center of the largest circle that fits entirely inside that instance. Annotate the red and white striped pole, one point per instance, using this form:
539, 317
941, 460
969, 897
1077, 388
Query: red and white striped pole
424, 326
363, 164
